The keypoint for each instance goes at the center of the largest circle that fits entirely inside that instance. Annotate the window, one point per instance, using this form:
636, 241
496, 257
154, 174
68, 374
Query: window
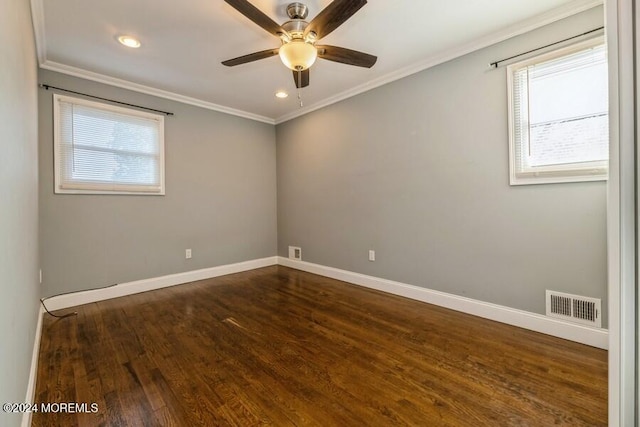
558, 116
103, 149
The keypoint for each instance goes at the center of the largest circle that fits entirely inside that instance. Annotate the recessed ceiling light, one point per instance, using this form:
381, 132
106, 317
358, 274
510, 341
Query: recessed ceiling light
281, 94
129, 41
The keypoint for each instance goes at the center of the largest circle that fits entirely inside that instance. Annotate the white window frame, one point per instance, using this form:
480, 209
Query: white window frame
576, 172
104, 188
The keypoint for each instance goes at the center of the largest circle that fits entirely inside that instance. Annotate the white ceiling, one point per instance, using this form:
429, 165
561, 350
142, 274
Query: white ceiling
184, 42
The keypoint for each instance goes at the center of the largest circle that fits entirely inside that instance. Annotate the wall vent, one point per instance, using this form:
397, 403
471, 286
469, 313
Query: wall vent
574, 308
295, 253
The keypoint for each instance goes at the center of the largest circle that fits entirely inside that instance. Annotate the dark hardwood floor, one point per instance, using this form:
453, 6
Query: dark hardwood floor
277, 346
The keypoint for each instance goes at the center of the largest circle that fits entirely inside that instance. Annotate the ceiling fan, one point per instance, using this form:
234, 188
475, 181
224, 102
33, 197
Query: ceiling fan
299, 50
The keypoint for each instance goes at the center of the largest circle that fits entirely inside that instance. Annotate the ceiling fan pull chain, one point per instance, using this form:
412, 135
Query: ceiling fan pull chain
300, 87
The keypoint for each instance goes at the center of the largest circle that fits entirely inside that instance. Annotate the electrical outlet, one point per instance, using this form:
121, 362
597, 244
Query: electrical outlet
372, 255
187, 253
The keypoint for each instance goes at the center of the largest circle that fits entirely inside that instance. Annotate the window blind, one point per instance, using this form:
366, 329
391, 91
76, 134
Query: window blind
520, 115
586, 58
559, 120
107, 149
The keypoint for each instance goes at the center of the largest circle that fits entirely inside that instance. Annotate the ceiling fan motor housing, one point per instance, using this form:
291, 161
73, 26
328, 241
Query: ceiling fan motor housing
295, 28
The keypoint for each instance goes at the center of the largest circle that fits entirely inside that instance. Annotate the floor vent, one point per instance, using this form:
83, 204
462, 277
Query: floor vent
295, 253
574, 308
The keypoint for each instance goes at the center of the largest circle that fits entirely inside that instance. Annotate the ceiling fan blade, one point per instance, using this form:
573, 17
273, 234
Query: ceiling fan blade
302, 79
333, 16
346, 56
250, 57
257, 16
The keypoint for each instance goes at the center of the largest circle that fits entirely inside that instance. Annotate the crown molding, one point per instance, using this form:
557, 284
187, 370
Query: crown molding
37, 20
572, 8
148, 90
520, 28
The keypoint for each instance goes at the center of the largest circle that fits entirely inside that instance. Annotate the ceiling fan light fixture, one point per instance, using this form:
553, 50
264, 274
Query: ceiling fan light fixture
281, 94
298, 55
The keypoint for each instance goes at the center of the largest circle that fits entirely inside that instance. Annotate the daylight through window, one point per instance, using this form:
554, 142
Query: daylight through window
100, 148
559, 125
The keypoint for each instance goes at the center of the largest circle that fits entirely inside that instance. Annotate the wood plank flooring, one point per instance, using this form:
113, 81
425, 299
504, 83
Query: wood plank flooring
277, 346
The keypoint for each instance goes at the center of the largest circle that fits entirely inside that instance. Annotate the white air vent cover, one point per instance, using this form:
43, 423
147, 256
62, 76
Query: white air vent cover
295, 253
574, 308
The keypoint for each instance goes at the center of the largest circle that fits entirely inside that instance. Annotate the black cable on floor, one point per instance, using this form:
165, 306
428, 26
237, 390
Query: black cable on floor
75, 313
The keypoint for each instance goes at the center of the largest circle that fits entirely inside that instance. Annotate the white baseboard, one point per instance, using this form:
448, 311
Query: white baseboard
33, 373
511, 316
535, 322
129, 288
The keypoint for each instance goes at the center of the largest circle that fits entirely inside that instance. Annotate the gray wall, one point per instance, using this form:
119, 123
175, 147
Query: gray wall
18, 202
220, 200
418, 171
